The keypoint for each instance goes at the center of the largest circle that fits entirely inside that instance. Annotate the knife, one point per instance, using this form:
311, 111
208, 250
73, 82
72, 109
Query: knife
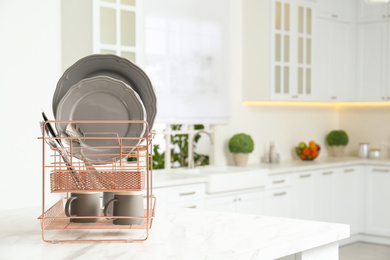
50, 128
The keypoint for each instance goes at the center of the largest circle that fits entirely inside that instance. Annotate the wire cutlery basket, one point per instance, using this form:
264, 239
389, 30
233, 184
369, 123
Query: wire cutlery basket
100, 166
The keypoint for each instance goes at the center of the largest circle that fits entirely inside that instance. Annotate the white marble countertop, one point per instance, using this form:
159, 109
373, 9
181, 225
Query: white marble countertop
176, 234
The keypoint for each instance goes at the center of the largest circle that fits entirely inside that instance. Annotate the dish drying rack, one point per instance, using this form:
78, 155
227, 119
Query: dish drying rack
116, 175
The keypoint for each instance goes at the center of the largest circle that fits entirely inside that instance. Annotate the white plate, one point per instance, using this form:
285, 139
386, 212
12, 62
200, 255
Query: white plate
102, 98
114, 67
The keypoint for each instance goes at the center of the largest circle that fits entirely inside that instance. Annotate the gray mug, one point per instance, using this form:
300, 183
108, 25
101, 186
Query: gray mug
83, 204
126, 204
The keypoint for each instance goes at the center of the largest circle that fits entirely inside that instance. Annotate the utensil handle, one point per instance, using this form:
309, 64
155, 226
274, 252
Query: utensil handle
67, 207
70, 168
106, 208
50, 128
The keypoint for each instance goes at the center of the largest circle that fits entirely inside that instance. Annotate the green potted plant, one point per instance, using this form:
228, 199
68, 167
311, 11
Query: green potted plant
337, 140
241, 145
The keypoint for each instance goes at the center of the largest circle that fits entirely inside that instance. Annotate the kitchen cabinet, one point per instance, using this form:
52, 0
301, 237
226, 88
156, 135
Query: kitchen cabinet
98, 26
291, 49
340, 10
324, 195
184, 196
372, 61
245, 202
276, 202
277, 195
377, 201
302, 191
333, 60
290, 24
349, 197
372, 12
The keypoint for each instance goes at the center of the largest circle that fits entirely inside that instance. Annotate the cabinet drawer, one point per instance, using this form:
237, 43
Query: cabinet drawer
186, 193
278, 181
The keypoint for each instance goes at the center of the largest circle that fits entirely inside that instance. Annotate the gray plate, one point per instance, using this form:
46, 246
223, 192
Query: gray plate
114, 67
102, 98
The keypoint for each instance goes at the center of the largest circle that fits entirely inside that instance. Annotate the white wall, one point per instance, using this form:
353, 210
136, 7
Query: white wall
366, 124
30, 65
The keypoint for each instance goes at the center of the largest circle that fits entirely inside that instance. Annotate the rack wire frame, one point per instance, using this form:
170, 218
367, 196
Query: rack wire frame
137, 175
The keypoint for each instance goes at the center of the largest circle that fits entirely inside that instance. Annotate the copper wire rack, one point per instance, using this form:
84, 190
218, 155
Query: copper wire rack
70, 171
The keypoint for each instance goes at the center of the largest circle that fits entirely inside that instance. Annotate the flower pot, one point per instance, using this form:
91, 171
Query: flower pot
338, 150
240, 159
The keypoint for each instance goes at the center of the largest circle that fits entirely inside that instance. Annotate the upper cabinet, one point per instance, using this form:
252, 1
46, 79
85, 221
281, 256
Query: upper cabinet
291, 50
333, 51
280, 69
373, 37
372, 12
340, 10
311, 50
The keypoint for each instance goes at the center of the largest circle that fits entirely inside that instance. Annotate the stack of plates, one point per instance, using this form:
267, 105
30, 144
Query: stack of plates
105, 87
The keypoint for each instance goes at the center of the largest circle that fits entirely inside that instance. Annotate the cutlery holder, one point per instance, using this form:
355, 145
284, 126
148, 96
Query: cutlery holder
62, 181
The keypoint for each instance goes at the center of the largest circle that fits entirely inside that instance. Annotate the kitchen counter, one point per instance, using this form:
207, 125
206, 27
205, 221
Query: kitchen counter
161, 178
182, 234
319, 163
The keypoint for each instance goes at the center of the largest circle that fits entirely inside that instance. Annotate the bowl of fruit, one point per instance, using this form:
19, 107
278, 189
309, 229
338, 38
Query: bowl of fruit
308, 152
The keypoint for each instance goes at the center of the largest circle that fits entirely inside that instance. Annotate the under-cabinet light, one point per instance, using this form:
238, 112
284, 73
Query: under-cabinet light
376, 2
318, 104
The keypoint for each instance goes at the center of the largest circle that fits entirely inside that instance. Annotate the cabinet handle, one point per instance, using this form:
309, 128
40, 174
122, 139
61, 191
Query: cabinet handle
192, 207
383, 98
304, 175
384, 16
333, 97
239, 199
349, 170
294, 96
187, 193
327, 173
279, 194
380, 170
278, 181
334, 15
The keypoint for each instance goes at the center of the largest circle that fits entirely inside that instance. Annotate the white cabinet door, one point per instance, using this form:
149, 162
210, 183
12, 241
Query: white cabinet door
245, 202
223, 203
349, 198
370, 13
301, 196
377, 201
250, 203
341, 64
276, 202
332, 61
291, 45
372, 59
323, 195
340, 10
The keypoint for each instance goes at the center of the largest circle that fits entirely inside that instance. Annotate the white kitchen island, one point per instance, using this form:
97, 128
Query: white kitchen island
181, 234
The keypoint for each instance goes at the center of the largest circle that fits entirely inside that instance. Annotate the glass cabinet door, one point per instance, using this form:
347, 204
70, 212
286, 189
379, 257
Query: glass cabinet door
115, 31
304, 41
282, 46
292, 50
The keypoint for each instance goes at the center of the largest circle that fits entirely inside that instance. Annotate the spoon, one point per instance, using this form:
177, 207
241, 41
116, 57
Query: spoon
76, 133
63, 154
